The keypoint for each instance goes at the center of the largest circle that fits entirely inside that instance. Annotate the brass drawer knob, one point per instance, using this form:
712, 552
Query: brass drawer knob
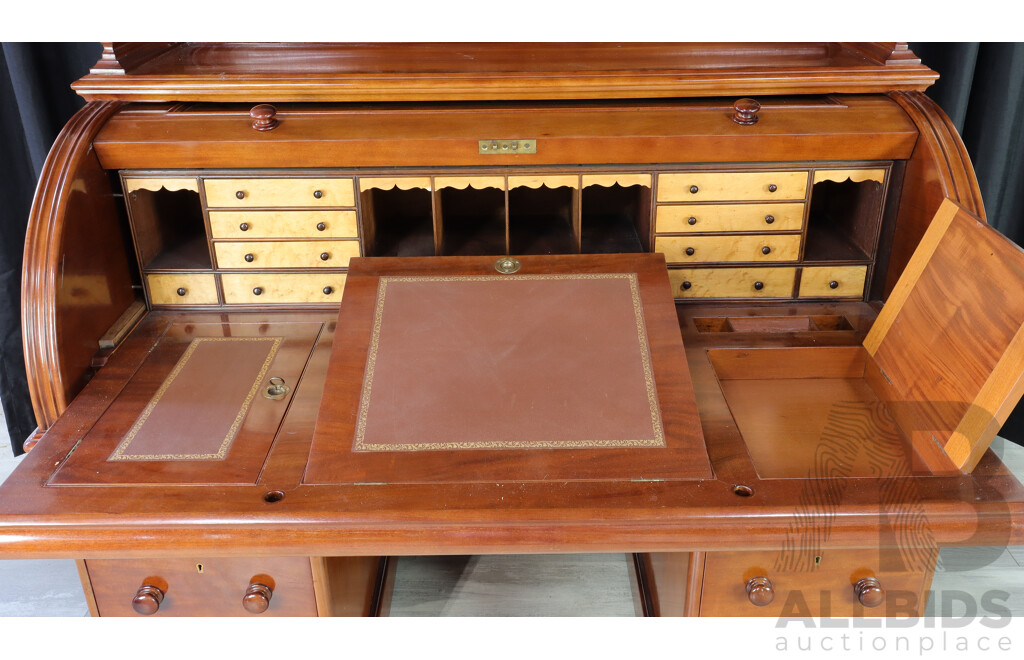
686, 285
328, 290
250, 257
318, 194
833, 284
869, 592
240, 194
147, 599
258, 291
693, 190
244, 226
760, 591
692, 220
769, 219
320, 226
758, 285
689, 251
324, 256
766, 250
182, 291
257, 598
772, 187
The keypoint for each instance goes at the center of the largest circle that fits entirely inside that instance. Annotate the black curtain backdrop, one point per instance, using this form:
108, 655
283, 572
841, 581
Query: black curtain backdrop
981, 88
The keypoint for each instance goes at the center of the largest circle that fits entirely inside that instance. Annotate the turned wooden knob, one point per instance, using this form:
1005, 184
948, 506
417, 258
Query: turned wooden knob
257, 291
257, 598
250, 257
320, 226
869, 592
689, 251
240, 194
769, 219
182, 291
244, 226
833, 284
147, 599
686, 285
772, 187
324, 256
746, 111
760, 591
692, 220
693, 190
263, 117
328, 290
766, 250
758, 285
318, 194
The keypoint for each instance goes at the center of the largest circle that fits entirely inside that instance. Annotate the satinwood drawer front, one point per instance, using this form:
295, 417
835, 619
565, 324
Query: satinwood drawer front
732, 282
843, 583
729, 217
731, 186
833, 281
703, 249
280, 586
262, 288
279, 192
283, 224
285, 254
182, 288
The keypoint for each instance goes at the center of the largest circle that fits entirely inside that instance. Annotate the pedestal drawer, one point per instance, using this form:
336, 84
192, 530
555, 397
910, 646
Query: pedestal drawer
231, 193
731, 186
840, 583
729, 217
732, 282
704, 249
182, 288
833, 281
283, 224
264, 586
285, 254
262, 288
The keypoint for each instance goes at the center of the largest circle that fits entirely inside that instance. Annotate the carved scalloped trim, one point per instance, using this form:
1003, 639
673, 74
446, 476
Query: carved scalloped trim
856, 176
389, 183
475, 182
551, 181
624, 180
133, 184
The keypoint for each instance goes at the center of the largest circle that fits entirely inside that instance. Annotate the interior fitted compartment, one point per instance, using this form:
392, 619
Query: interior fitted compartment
400, 222
739, 324
540, 220
169, 230
472, 221
845, 215
615, 219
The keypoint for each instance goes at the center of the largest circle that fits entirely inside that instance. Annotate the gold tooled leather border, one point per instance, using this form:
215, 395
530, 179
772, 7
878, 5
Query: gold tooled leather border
645, 355
119, 453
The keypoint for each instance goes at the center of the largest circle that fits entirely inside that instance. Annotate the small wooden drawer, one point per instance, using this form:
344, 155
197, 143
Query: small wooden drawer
285, 254
263, 288
833, 281
729, 217
283, 224
202, 587
732, 282
704, 249
731, 186
822, 585
231, 193
182, 288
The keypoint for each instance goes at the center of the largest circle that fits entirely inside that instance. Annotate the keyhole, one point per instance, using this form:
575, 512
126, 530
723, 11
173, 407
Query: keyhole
199, 568
817, 560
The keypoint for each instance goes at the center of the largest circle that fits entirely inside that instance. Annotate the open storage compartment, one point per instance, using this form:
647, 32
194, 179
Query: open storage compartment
472, 221
167, 223
540, 220
400, 222
616, 218
845, 215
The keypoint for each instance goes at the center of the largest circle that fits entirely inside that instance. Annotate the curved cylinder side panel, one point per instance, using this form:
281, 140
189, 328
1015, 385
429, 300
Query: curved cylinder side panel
76, 277
939, 168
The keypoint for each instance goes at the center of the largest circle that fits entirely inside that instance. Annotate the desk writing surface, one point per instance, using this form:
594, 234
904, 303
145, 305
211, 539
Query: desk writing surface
445, 370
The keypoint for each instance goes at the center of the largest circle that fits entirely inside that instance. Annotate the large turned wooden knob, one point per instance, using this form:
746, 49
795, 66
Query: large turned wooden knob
746, 111
869, 592
263, 117
760, 591
147, 599
257, 598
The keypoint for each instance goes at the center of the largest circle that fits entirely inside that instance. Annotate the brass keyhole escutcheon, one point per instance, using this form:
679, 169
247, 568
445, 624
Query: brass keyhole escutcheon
277, 389
199, 568
508, 265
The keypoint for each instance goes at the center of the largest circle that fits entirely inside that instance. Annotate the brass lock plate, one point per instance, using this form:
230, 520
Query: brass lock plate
507, 265
507, 146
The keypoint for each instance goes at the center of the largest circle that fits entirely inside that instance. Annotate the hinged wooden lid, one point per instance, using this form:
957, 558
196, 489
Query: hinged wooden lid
949, 342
